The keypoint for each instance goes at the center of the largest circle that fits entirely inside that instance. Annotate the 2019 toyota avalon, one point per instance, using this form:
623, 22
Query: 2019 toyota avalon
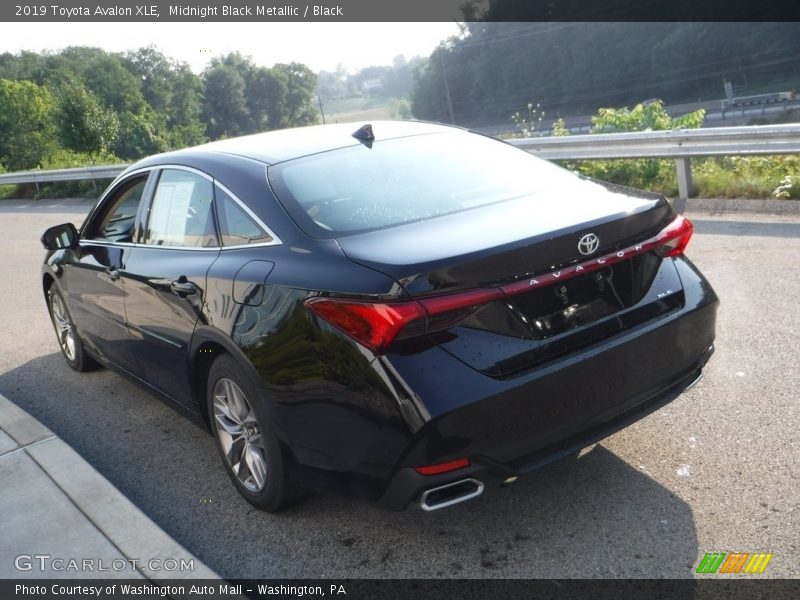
393, 312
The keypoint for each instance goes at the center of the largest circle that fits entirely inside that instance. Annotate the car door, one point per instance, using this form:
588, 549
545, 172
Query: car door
165, 277
94, 281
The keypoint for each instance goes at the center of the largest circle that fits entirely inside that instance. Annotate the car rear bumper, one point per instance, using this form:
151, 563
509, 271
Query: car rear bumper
508, 427
407, 485
427, 407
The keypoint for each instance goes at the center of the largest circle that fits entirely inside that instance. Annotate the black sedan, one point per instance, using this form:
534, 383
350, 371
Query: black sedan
394, 312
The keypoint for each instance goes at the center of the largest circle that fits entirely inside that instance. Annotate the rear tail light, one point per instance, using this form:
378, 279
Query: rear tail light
376, 325
673, 239
440, 468
372, 324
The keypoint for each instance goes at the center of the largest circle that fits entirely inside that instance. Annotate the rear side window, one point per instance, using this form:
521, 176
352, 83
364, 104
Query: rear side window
367, 187
181, 211
236, 226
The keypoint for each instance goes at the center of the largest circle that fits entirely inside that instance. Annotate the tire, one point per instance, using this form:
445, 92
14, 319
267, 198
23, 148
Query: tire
69, 341
247, 445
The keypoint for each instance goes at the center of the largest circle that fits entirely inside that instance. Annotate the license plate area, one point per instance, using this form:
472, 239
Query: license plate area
552, 310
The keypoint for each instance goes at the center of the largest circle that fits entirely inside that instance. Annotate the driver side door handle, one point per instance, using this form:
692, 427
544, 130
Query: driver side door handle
183, 287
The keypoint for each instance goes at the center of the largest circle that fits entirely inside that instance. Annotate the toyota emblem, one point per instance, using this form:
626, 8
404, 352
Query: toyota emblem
588, 244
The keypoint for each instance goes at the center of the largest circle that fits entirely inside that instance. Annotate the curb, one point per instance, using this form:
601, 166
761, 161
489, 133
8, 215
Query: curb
120, 521
721, 206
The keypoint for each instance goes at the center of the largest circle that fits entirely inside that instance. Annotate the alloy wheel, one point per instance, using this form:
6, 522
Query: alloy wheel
239, 434
64, 332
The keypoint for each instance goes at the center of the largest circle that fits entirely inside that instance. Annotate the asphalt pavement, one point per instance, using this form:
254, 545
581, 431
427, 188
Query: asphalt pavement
716, 470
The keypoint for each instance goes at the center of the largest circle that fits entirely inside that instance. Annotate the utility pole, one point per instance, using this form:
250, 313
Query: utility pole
319, 101
446, 88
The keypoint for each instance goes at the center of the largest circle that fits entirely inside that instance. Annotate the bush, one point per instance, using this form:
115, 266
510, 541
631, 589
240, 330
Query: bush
6, 191
724, 177
748, 177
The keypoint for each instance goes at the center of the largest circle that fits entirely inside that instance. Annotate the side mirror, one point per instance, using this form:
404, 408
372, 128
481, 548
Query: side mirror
60, 236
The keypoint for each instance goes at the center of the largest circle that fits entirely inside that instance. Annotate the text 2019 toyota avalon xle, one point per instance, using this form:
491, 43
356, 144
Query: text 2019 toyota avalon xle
394, 312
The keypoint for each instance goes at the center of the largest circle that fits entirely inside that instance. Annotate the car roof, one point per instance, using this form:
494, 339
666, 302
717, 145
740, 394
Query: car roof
285, 144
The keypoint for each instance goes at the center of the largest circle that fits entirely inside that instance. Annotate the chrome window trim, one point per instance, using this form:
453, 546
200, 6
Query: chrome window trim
86, 242
104, 242
146, 218
100, 204
119, 178
137, 245
256, 245
276, 241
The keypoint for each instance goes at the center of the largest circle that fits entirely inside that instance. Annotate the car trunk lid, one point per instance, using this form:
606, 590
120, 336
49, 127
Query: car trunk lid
539, 292
507, 241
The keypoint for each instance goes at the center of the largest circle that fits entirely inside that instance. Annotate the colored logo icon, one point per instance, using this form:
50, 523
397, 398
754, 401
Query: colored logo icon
734, 562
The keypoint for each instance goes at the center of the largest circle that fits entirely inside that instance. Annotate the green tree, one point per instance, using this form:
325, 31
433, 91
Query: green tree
429, 100
118, 88
173, 92
26, 124
84, 124
140, 134
225, 109
641, 172
155, 74
300, 85
333, 84
266, 99
572, 68
241, 97
184, 119
28, 66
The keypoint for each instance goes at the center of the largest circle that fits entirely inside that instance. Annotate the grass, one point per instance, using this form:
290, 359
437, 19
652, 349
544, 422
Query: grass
724, 177
378, 113
352, 104
748, 177
362, 109
66, 189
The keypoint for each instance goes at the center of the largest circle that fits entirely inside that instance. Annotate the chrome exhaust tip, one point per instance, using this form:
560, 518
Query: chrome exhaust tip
450, 494
694, 382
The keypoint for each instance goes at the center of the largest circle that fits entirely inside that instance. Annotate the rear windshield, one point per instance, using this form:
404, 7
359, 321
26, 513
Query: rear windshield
401, 180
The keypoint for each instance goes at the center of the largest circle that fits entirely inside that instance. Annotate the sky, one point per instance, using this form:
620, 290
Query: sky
320, 46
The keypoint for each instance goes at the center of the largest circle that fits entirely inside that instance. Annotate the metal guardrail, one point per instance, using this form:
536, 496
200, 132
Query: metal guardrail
76, 174
680, 144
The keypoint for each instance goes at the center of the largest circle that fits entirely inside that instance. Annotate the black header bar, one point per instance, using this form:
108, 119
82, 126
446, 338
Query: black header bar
706, 588
396, 10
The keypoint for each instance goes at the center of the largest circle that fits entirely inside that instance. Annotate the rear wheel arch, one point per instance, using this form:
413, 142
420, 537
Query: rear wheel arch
203, 358
208, 344
244, 435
